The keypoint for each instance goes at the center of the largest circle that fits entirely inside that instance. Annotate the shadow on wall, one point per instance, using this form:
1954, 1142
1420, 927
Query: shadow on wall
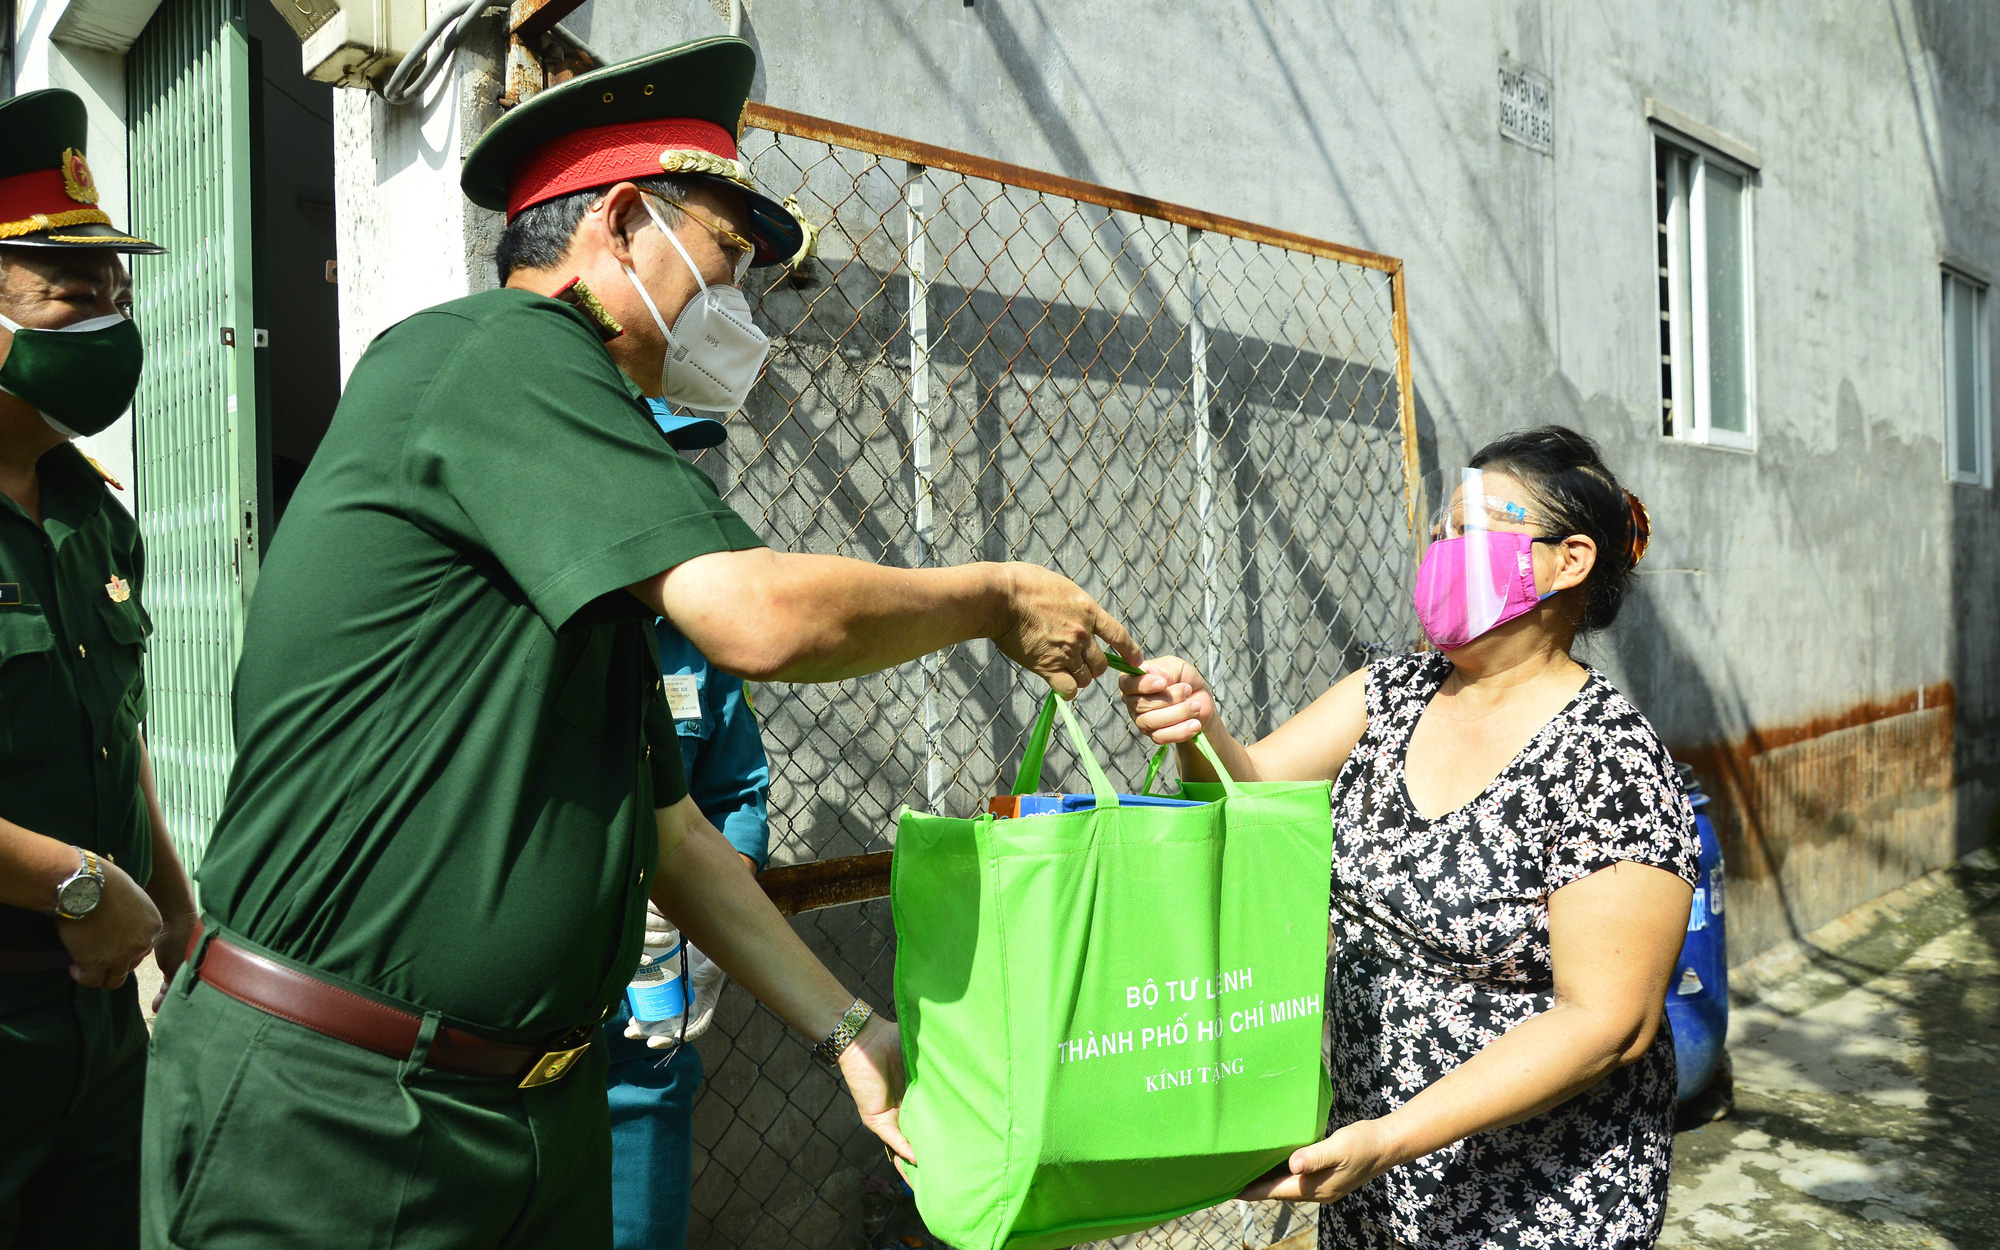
1948, 50
1822, 814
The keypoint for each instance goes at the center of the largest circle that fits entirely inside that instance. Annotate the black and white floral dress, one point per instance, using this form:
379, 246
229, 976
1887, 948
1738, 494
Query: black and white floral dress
1442, 930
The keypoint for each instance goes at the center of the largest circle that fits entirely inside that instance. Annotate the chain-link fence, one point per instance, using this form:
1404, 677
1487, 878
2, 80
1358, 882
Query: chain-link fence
1204, 423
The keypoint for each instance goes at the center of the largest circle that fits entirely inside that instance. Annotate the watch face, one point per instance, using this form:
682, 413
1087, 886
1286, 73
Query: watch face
79, 896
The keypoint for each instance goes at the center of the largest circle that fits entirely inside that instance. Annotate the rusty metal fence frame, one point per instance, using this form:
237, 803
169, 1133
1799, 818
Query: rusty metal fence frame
860, 451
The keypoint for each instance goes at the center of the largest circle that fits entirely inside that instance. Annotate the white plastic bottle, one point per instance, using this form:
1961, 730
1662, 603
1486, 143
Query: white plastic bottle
657, 994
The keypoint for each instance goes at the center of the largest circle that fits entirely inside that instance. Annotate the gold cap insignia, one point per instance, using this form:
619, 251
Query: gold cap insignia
696, 161
77, 182
118, 588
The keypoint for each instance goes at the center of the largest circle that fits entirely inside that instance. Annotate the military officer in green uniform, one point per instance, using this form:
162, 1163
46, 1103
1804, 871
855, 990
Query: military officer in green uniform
89, 884
458, 782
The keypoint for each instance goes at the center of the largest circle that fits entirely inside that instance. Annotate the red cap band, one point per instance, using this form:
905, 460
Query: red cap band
35, 193
602, 155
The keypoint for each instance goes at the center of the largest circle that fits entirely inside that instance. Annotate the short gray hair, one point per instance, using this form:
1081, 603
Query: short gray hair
539, 236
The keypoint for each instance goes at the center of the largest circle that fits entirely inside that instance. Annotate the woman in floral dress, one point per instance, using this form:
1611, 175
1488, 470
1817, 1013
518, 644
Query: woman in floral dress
1512, 867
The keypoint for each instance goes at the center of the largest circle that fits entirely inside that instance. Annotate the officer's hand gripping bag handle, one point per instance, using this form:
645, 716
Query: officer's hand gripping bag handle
1110, 1017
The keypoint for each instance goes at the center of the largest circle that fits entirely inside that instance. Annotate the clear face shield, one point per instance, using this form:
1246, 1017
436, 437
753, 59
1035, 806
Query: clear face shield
1478, 563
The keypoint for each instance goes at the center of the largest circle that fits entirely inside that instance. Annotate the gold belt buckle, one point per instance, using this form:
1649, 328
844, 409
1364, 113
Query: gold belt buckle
555, 1065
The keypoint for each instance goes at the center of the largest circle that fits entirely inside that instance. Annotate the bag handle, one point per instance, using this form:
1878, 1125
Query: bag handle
1029, 779
1230, 786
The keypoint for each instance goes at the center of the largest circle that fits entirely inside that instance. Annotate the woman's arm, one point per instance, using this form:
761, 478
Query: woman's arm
1614, 937
1172, 701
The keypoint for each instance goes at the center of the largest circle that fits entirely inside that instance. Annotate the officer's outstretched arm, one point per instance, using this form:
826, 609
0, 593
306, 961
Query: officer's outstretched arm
782, 616
702, 887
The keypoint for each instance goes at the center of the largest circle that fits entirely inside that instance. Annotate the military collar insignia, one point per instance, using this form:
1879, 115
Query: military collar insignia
118, 588
10, 594
110, 481
584, 300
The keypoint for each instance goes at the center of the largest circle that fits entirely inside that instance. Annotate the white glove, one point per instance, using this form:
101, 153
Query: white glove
659, 930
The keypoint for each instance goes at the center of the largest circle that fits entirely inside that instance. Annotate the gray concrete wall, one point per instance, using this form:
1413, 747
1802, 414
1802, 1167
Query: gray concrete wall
1828, 580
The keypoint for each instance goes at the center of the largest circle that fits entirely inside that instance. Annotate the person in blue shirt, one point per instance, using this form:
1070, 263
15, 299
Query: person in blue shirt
652, 1089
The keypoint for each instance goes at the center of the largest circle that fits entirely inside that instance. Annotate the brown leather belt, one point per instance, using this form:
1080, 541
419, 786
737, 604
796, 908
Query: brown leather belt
271, 987
19, 962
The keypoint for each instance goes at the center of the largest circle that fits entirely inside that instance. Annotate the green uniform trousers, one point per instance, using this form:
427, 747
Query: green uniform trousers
261, 1133
75, 1079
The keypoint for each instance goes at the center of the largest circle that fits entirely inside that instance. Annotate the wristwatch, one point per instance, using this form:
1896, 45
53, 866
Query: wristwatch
828, 1049
78, 896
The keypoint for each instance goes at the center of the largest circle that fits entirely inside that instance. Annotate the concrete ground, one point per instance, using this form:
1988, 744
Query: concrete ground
1867, 1064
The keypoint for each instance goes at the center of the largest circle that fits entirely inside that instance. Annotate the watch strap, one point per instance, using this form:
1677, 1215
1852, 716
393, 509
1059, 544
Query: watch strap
829, 1048
87, 865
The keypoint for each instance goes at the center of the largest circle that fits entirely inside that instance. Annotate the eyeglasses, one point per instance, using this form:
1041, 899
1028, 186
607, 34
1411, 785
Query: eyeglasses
737, 251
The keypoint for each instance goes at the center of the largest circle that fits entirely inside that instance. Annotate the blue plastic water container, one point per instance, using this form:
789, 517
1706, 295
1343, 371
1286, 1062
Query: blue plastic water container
1043, 804
1698, 996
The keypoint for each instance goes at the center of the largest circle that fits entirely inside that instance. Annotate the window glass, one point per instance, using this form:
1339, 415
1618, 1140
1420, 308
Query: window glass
1703, 220
1962, 325
1728, 329
1680, 301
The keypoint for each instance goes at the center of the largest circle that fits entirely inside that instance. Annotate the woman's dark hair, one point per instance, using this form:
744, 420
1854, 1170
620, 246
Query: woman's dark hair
1573, 493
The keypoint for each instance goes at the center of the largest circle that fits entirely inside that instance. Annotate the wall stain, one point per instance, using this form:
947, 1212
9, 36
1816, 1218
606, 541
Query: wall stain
1819, 816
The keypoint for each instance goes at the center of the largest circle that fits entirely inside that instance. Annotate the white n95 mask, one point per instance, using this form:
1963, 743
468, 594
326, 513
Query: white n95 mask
714, 350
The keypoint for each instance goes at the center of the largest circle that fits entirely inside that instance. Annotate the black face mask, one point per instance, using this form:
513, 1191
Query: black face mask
81, 378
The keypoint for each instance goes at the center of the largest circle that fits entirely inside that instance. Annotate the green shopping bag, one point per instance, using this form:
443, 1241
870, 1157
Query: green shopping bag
1110, 1017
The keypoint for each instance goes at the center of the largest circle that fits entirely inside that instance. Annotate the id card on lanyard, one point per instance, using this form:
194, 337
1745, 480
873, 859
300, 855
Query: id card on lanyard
683, 696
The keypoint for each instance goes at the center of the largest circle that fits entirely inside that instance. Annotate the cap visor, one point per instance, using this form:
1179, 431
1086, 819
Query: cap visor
89, 236
776, 232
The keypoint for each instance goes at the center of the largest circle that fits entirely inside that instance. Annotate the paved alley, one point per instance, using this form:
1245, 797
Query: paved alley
1867, 1085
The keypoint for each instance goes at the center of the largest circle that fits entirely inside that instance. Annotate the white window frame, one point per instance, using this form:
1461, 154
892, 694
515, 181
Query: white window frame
1981, 472
1689, 325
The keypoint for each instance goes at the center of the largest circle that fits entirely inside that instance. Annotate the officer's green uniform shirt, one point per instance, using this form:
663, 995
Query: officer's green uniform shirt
444, 795
72, 637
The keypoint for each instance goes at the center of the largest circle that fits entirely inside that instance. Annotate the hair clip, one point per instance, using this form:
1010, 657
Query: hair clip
1642, 528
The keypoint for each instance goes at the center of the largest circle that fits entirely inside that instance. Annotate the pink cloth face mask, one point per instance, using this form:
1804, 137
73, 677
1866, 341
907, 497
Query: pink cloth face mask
1474, 583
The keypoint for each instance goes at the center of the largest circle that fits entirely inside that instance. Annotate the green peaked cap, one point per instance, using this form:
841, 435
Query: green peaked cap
42, 137
703, 79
